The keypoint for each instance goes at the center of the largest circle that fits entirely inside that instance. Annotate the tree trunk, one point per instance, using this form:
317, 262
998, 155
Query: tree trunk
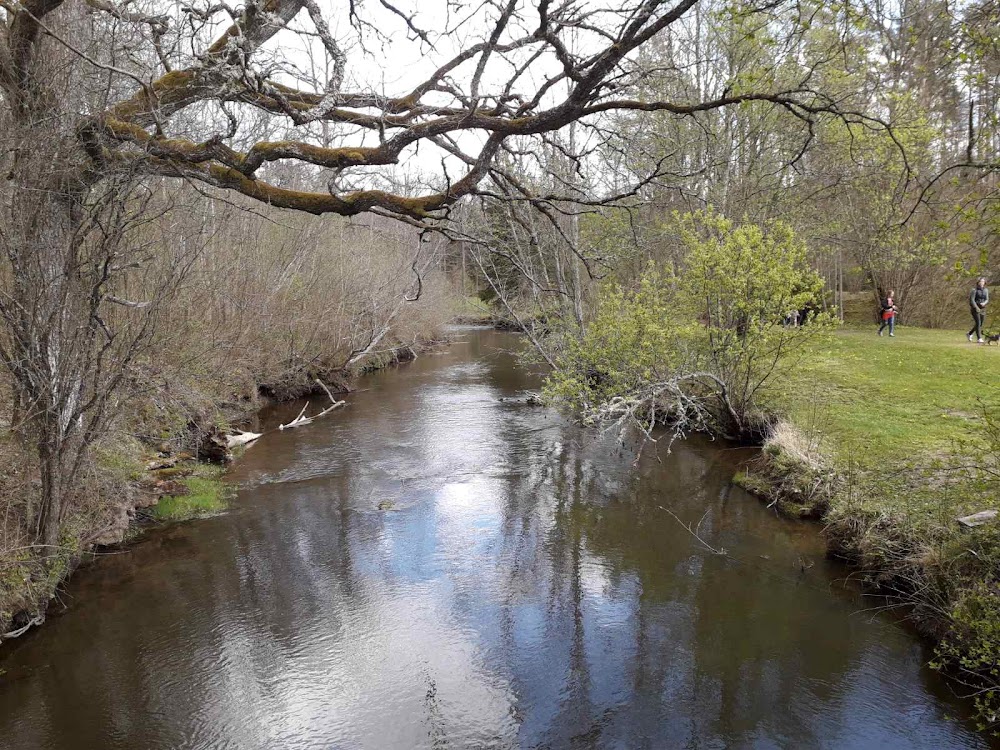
50, 510
48, 321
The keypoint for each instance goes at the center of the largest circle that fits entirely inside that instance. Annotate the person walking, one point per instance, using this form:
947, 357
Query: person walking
888, 312
978, 300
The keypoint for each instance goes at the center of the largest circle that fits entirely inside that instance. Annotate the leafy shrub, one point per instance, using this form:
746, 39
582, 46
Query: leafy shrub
972, 648
696, 347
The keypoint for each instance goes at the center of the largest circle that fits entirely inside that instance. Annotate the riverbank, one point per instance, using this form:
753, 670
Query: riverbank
164, 463
487, 572
889, 441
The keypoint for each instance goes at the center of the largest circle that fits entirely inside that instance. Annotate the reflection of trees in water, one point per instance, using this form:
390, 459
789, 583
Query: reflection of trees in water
709, 647
182, 637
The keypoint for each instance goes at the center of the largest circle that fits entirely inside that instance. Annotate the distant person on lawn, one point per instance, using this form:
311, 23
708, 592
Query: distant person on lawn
888, 314
978, 301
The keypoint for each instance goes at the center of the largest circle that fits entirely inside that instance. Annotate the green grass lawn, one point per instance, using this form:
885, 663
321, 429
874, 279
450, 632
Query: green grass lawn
881, 400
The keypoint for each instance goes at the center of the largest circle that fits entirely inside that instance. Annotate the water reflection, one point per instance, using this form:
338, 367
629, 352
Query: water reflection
441, 565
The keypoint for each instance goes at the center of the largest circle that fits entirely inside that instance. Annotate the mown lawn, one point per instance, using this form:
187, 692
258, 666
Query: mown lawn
880, 400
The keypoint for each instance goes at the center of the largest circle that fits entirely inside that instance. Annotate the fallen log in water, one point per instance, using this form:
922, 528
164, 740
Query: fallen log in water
242, 438
302, 420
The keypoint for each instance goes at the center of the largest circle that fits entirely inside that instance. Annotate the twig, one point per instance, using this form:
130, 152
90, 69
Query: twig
687, 527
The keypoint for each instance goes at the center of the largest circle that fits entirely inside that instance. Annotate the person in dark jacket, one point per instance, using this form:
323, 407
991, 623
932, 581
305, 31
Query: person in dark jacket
978, 300
888, 314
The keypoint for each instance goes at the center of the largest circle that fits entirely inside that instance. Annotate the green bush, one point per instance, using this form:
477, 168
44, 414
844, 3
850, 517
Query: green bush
704, 340
972, 648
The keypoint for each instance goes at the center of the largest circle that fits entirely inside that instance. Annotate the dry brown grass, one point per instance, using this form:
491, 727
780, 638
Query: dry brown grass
797, 444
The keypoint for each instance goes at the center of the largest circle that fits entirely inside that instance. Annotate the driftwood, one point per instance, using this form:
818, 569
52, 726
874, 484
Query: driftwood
302, 420
298, 421
36, 620
241, 438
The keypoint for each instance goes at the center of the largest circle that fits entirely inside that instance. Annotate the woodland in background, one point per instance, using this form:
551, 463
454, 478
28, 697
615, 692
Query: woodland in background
591, 117
912, 208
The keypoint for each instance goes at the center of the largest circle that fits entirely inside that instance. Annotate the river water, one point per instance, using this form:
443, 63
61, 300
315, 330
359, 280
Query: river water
441, 565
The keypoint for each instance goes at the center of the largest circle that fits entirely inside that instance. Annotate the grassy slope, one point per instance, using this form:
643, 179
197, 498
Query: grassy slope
884, 403
887, 407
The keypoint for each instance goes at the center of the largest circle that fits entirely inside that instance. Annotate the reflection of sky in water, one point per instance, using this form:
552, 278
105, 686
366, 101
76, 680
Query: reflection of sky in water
417, 673
518, 587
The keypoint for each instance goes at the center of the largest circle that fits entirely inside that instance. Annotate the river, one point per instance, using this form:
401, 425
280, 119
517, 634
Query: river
442, 565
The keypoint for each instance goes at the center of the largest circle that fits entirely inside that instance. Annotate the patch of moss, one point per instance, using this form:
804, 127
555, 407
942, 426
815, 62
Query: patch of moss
174, 472
207, 494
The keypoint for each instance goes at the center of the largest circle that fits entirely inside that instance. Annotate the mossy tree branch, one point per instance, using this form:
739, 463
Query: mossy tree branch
228, 71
